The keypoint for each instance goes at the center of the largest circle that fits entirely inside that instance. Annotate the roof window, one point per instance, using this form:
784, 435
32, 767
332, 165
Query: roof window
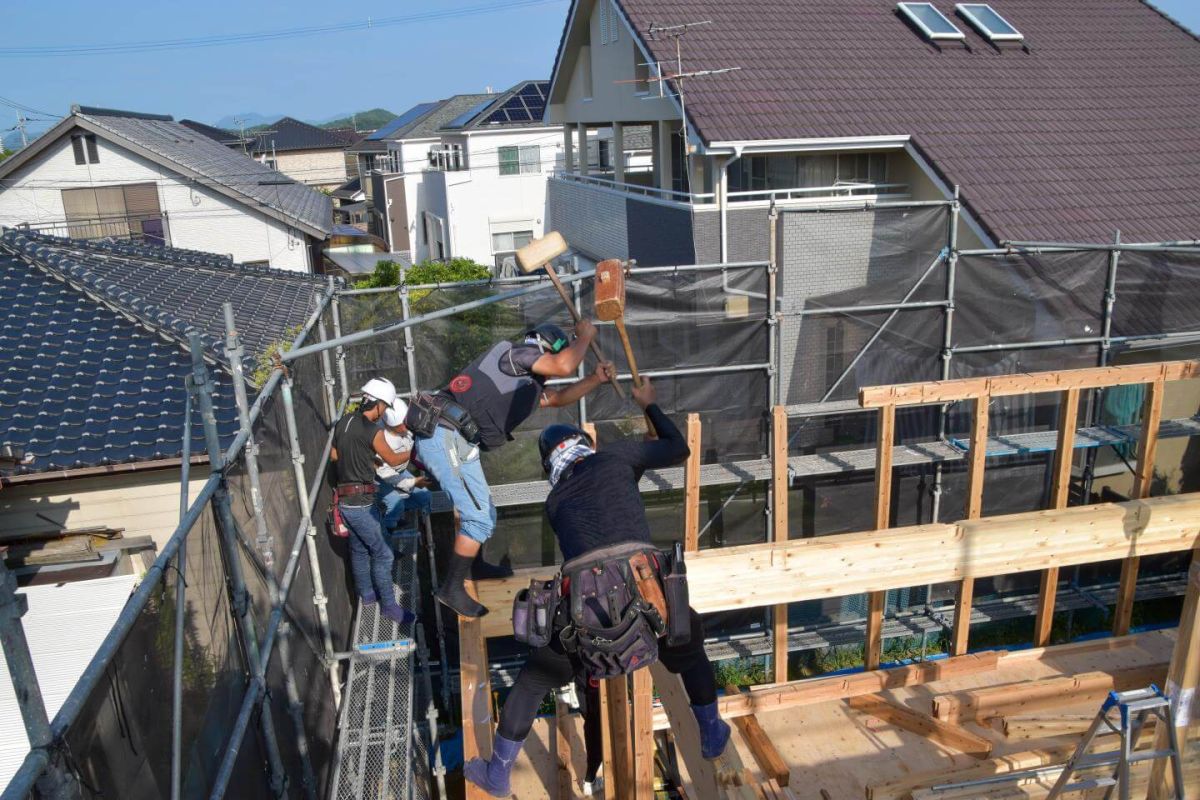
988, 22
930, 21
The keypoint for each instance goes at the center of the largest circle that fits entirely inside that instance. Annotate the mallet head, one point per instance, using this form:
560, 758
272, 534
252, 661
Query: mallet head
541, 252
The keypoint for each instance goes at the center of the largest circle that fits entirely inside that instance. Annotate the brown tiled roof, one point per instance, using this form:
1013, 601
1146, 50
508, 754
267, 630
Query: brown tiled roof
1094, 126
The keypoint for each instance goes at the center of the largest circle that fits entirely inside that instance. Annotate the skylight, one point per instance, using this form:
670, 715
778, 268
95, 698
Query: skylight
988, 22
931, 22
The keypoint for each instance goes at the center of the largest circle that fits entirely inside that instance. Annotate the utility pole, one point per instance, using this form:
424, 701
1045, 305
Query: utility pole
21, 127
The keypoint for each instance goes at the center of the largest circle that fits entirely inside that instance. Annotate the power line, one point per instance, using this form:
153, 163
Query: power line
13, 104
370, 23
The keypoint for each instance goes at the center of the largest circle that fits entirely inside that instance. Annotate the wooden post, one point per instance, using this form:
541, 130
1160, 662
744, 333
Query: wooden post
617, 690
606, 731
697, 775
779, 523
1147, 449
1068, 418
476, 686
691, 483
562, 749
978, 455
877, 601
1183, 681
643, 735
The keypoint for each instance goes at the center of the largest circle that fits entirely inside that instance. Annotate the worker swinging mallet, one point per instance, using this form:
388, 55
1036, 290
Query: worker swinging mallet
609, 295
540, 253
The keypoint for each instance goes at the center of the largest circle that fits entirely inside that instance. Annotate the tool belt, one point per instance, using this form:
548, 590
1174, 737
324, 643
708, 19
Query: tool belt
428, 410
347, 489
608, 608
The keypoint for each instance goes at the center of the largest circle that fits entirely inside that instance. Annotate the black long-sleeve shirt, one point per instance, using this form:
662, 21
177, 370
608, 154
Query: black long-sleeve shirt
598, 503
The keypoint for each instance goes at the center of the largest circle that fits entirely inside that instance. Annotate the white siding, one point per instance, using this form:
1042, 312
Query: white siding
319, 168
198, 217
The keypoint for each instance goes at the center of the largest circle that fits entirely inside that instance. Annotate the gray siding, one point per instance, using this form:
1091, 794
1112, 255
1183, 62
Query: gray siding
592, 220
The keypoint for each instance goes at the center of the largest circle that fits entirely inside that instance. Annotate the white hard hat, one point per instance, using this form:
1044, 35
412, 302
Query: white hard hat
395, 413
380, 389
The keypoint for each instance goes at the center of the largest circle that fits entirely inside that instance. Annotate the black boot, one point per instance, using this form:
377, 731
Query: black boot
453, 594
483, 571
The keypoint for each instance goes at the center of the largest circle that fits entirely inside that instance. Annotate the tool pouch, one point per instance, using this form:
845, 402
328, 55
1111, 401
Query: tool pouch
679, 615
610, 630
337, 525
618, 650
645, 580
534, 611
428, 410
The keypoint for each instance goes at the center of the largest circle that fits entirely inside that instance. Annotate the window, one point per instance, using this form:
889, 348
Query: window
930, 21
270, 162
641, 72
988, 22
124, 212
83, 145
510, 241
861, 167
523, 160
447, 157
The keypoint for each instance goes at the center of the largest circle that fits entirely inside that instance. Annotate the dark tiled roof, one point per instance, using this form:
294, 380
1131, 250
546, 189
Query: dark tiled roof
523, 105
427, 127
173, 290
348, 190
220, 135
292, 134
1095, 127
84, 386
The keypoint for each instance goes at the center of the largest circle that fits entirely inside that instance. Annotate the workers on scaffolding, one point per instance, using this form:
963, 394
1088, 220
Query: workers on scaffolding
399, 491
617, 604
478, 410
358, 440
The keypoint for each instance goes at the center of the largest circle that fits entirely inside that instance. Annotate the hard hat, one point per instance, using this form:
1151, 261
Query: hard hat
395, 413
549, 337
380, 389
557, 434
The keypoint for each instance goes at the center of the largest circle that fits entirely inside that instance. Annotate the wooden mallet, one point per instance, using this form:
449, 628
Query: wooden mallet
609, 295
538, 254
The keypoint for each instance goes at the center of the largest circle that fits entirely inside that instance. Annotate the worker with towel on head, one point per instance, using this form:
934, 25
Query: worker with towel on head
398, 490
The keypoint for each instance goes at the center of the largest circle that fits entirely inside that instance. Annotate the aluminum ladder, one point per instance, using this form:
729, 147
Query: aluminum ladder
1133, 708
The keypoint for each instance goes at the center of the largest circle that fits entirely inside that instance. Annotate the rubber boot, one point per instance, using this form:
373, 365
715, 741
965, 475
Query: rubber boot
397, 614
494, 776
453, 594
714, 732
483, 571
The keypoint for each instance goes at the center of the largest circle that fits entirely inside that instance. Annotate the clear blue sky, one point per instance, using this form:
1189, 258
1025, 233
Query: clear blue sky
312, 78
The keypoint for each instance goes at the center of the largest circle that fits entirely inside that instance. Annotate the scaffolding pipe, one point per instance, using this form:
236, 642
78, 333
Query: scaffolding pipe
1138, 337
683, 372
816, 312
431, 555
239, 596
331, 403
340, 351
1095, 399
772, 305
867, 206
1186, 245
180, 604
410, 347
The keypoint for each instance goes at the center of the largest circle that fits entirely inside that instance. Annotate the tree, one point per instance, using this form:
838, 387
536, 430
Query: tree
4, 153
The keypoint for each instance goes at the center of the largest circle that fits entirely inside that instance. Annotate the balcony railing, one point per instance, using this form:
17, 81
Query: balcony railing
841, 189
148, 230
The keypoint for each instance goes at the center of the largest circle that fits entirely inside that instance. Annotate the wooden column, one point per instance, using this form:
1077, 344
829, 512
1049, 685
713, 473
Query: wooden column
877, 601
476, 686
691, 484
779, 525
617, 156
606, 730
617, 691
1064, 451
1183, 681
1147, 450
643, 735
978, 457
568, 148
562, 749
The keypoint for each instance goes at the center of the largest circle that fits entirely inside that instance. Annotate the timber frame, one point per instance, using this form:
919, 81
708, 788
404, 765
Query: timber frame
783, 571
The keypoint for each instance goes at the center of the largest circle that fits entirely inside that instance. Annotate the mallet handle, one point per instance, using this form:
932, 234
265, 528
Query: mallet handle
562, 292
633, 370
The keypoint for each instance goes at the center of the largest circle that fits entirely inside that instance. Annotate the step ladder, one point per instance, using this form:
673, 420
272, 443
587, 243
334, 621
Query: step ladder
1133, 708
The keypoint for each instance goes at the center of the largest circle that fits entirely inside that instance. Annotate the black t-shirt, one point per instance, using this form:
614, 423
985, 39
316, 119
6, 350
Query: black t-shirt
354, 439
598, 502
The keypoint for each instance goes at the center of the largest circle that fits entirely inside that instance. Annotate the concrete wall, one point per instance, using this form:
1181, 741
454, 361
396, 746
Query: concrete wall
198, 217
143, 503
324, 169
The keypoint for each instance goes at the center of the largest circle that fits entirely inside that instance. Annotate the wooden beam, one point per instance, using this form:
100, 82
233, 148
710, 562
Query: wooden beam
476, 687
940, 731
753, 576
761, 747
1040, 695
877, 601
606, 739
691, 484
643, 735
948, 391
1064, 451
901, 788
696, 773
617, 690
961, 632
780, 486
1143, 477
763, 699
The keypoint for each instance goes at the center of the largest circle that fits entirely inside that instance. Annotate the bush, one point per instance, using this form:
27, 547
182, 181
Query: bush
264, 362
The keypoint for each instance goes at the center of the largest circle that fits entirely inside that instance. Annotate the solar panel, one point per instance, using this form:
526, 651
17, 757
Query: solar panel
930, 21
988, 22
528, 104
403, 120
462, 120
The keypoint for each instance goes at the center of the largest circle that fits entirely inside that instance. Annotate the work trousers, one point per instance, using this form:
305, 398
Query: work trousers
370, 555
549, 667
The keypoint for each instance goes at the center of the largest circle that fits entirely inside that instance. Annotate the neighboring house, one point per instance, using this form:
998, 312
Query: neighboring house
101, 174
228, 138
93, 351
350, 203
1058, 121
314, 156
464, 176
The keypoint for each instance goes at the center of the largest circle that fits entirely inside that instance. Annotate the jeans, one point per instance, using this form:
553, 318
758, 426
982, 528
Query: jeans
395, 503
370, 555
442, 454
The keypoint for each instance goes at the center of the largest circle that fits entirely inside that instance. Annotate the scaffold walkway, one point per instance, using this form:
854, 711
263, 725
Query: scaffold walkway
376, 732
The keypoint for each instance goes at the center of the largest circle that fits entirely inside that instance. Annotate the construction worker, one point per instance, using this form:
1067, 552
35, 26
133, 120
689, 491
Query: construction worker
399, 491
357, 440
605, 603
478, 410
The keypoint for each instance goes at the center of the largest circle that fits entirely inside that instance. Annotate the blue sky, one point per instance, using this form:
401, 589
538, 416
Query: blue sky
311, 78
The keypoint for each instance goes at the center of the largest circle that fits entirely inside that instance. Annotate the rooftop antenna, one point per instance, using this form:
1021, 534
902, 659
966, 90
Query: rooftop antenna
21, 127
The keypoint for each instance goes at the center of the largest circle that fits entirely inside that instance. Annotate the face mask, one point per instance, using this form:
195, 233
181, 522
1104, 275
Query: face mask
566, 454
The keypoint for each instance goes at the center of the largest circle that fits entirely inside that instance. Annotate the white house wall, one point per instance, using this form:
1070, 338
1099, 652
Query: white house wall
198, 217
318, 168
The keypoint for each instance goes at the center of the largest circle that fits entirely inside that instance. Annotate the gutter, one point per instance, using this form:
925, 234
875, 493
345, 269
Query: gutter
91, 472
740, 147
